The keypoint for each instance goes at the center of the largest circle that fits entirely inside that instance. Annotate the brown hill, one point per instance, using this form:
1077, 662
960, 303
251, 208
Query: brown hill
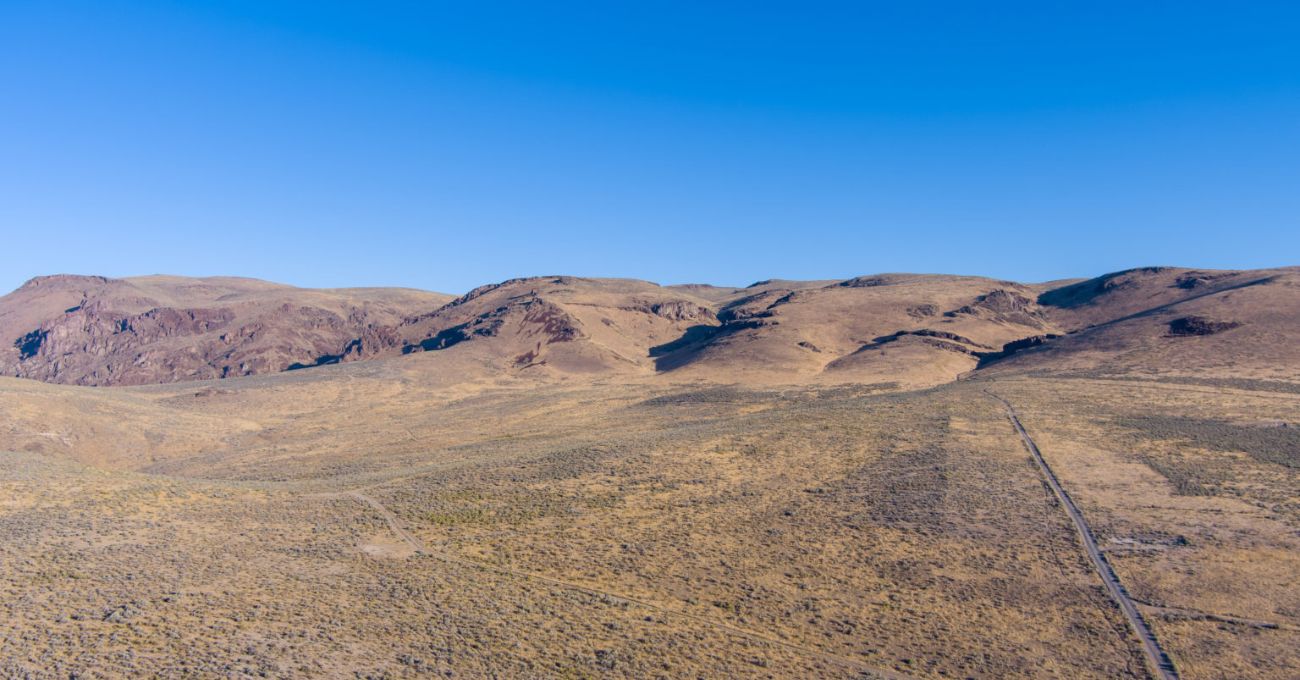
92, 330
554, 324
909, 329
1174, 322
905, 328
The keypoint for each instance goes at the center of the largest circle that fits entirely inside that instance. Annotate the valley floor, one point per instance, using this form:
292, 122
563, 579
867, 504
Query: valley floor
368, 527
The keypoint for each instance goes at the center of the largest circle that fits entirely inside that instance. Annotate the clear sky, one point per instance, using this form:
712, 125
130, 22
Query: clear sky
445, 145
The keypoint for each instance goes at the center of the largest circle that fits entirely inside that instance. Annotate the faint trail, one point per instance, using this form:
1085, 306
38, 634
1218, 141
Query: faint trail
1198, 615
416, 544
393, 523
1159, 661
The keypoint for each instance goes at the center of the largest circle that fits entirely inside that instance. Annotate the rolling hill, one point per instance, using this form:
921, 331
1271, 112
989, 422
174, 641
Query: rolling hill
912, 330
1172, 321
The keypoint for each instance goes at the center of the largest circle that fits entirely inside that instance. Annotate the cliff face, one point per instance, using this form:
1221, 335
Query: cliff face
97, 331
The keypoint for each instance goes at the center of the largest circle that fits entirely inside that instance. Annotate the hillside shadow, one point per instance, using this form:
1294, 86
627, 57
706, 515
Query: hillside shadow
671, 354
692, 335
444, 339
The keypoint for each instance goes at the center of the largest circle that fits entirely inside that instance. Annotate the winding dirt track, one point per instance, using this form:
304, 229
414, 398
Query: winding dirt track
395, 524
1160, 663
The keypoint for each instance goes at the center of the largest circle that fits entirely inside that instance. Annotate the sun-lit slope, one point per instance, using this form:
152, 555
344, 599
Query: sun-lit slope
906, 328
910, 329
92, 330
552, 325
1116, 295
1170, 321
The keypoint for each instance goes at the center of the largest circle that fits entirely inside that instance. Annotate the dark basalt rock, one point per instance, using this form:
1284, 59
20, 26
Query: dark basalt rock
939, 339
922, 311
1199, 325
1194, 280
930, 333
1014, 346
865, 282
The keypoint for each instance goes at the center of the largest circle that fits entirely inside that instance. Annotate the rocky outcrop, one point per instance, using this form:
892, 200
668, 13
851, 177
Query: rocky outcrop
108, 345
922, 311
96, 346
864, 282
998, 302
1007, 306
675, 310
1195, 280
1199, 325
1014, 346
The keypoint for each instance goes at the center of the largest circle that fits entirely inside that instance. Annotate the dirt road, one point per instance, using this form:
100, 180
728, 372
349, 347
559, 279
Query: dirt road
1160, 664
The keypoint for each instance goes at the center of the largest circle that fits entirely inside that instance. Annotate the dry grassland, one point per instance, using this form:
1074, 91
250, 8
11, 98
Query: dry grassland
357, 522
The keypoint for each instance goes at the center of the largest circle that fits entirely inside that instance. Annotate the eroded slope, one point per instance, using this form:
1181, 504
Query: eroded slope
91, 330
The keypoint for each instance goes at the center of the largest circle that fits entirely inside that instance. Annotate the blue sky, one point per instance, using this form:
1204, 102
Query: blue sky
445, 145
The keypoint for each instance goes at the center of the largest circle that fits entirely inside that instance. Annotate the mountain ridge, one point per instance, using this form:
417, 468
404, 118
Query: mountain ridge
913, 329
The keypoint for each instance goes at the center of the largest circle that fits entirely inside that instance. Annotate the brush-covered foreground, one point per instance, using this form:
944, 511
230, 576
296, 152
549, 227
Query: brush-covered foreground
377, 520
